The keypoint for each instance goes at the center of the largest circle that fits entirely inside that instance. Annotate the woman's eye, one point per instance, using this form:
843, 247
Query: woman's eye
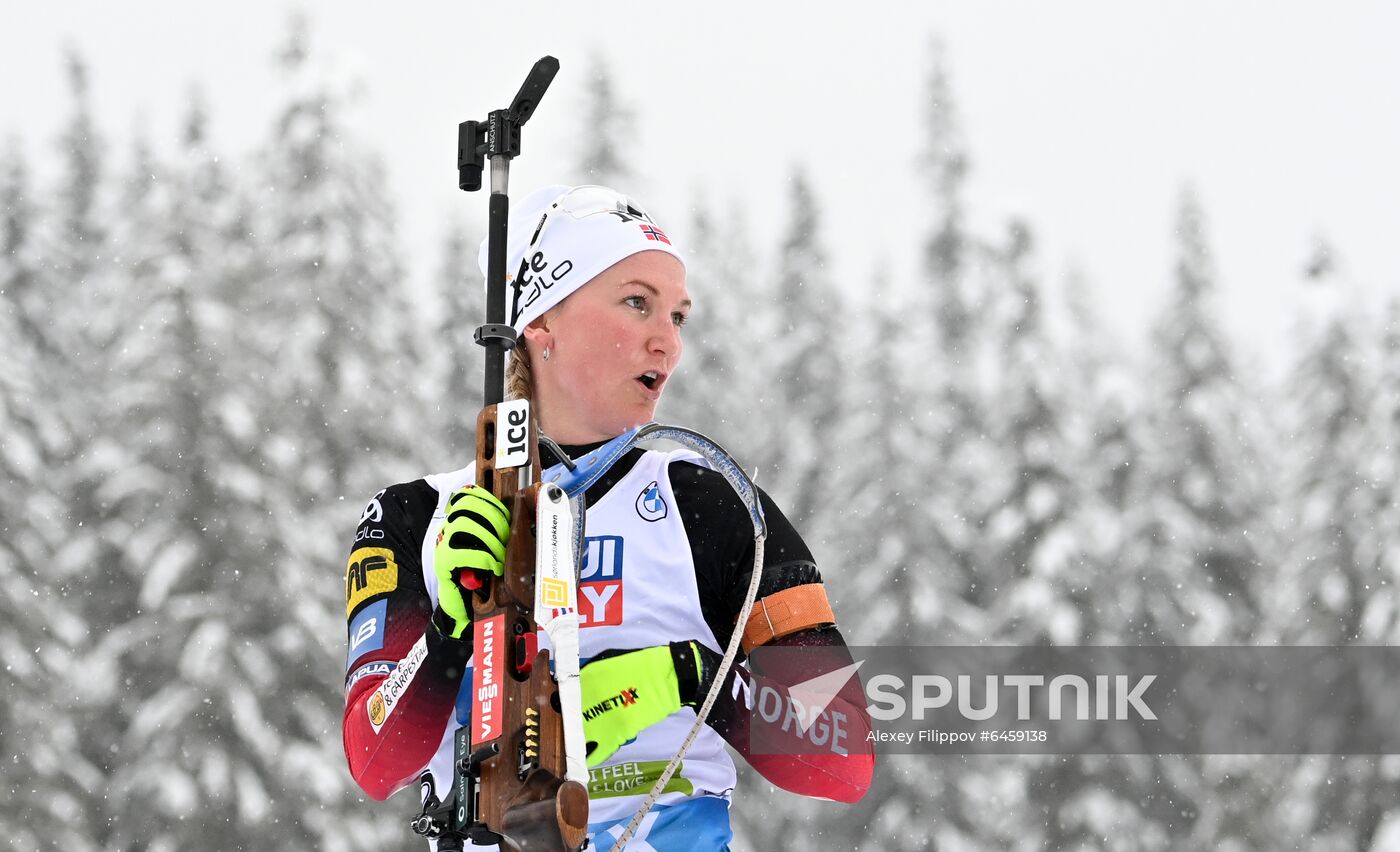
679, 319
638, 302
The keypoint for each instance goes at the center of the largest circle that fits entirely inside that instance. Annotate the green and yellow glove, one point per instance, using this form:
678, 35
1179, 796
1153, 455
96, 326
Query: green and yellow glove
625, 692
472, 540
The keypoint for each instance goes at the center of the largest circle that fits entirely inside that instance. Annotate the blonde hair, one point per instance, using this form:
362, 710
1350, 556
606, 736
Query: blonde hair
519, 384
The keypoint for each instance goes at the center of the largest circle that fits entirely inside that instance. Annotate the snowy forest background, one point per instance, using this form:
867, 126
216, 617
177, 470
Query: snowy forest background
214, 358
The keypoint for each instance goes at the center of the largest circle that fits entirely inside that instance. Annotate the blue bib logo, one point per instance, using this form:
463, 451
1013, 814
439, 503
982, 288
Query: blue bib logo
600, 581
650, 506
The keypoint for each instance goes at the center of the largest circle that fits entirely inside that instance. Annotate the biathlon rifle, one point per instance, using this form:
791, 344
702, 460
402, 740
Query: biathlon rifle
520, 777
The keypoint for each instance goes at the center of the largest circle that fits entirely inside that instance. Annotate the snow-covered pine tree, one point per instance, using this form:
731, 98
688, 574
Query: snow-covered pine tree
1331, 574
1105, 431
71, 310
202, 635
914, 383
1383, 616
804, 383
878, 433
37, 626
140, 478
334, 370
1091, 801
27, 286
950, 252
74, 247
1030, 581
1199, 518
899, 420
1028, 549
1185, 528
607, 124
949, 339
456, 359
1332, 587
77, 320
27, 418
340, 359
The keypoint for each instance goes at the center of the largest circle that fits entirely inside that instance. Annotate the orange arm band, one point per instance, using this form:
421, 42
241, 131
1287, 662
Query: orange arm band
785, 612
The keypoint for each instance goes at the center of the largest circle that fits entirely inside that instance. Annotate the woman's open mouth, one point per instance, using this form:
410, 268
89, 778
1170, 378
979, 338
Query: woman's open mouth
651, 382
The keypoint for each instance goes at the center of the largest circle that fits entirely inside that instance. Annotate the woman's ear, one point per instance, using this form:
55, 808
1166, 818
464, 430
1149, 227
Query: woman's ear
538, 335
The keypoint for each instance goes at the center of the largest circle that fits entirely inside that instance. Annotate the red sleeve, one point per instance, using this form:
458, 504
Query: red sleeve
402, 676
826, 754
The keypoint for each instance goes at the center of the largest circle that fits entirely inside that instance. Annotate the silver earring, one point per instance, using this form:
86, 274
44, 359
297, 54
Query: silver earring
545, 353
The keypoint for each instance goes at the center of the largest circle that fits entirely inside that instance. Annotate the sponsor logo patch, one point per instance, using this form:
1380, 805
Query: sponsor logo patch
368, 534
377, 713
633, 778
374, 512
366, 632
554, 592
489, 647
370, 572
600, 581
650, 505
512, 433
625, 698
391, 690
381, 667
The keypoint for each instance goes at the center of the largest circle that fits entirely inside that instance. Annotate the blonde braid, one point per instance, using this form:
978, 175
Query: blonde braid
518, 381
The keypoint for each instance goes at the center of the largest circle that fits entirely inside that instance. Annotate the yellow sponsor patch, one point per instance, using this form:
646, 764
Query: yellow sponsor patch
554, 592
371, 572
376, 710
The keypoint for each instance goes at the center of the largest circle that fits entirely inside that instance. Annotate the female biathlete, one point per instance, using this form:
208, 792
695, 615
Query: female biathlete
669, 556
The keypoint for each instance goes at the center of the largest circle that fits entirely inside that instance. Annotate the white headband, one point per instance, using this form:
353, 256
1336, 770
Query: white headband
561, 237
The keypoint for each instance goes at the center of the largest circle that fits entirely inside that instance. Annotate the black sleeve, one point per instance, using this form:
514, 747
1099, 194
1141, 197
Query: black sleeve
721, 545
387, 743
385, 574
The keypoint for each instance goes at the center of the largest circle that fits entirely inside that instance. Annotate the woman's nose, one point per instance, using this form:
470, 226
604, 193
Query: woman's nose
666, 340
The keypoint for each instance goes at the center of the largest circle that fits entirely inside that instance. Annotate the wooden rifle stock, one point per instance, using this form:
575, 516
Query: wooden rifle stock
522, 792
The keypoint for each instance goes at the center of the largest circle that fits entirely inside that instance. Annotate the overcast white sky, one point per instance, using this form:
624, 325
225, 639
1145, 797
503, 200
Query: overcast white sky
1084, 117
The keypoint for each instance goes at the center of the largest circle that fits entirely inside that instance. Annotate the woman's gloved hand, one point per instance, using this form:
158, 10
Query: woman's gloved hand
625, 692
472, 542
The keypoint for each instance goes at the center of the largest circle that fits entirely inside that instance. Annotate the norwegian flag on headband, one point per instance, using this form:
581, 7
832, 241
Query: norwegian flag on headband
654, 233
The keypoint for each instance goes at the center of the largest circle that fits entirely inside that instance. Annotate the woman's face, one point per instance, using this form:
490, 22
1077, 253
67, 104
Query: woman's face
613, 345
